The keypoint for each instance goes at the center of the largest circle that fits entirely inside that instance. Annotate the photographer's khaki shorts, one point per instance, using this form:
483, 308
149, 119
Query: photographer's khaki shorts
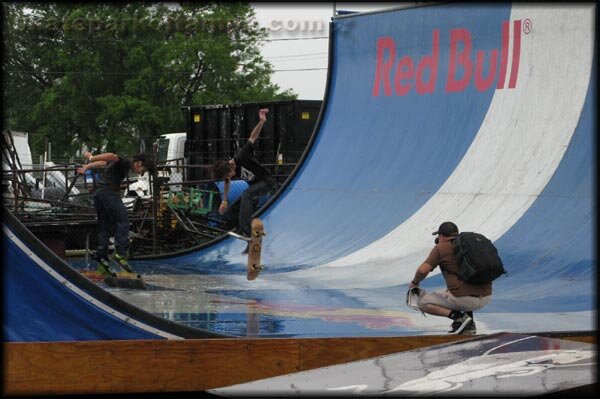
446, 300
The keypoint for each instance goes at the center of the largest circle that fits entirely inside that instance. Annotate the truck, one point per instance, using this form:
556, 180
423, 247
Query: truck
18, 156
171, 148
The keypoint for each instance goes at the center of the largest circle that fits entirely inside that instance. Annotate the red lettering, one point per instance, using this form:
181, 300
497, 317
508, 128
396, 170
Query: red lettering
452, 83
422, 75
403, 74
382, 71
482, 83
431, 62
516, 57
503, 56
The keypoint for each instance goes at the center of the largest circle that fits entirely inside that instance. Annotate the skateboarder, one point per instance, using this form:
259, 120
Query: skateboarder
246, 167
112, 214
459, 299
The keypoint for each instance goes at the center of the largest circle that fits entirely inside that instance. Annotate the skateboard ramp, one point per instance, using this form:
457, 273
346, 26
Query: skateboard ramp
482, 114
479, 114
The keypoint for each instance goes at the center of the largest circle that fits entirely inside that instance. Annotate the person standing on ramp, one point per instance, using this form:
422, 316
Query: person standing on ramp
112, 214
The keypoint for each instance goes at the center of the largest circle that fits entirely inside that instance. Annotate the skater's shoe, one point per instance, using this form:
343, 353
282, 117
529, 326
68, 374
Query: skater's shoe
97, 257
123, 263
238, 234
104, 269
461, 323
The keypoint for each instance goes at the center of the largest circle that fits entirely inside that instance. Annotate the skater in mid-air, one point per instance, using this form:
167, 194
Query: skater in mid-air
244, 166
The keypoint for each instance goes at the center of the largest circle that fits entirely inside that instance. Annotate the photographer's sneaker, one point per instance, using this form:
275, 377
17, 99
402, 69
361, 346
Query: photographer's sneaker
460, 324
122, 263
104, 269
470, 329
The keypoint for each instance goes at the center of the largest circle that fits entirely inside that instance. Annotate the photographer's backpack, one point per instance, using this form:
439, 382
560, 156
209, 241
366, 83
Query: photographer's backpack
477, 257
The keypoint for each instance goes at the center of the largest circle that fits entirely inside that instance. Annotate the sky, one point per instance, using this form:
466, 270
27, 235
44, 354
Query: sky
298, 42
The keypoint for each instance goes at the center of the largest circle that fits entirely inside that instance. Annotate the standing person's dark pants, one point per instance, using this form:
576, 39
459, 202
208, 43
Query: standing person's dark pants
240, 212
112, 216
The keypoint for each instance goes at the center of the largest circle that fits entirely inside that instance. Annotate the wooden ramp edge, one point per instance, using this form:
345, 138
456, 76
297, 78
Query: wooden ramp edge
136, 366
100, 367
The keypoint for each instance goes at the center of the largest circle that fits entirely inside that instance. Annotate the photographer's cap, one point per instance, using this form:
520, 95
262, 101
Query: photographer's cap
447, 229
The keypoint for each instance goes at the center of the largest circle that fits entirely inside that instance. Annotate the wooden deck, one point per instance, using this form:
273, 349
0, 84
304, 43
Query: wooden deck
95, 367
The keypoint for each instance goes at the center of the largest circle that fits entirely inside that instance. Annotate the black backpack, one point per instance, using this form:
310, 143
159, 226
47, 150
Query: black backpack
477, 257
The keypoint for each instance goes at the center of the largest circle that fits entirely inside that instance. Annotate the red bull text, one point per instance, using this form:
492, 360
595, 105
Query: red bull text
465, 66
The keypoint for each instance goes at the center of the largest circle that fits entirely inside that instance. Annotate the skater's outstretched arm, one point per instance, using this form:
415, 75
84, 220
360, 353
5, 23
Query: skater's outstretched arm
107, 157
93, 165
97, 161
262, 115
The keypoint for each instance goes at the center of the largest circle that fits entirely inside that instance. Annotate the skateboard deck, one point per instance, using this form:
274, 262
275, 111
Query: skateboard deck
122, 279
126, 280
255, 248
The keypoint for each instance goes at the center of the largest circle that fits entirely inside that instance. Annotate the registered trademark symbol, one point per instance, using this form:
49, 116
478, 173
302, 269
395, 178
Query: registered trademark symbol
527, 26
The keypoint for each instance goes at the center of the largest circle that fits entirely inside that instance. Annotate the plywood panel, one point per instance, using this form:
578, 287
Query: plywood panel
142, 366
45, 368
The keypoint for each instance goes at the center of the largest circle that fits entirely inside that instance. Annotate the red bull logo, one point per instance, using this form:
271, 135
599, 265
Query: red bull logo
465, 65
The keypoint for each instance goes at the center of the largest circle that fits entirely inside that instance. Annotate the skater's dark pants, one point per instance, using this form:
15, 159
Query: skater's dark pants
240, 212
112, 217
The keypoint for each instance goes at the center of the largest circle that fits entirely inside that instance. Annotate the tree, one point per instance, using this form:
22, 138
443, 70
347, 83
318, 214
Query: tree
109, 75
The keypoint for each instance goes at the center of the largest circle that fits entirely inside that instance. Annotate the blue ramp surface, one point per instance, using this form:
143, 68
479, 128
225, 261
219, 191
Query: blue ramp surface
46, 300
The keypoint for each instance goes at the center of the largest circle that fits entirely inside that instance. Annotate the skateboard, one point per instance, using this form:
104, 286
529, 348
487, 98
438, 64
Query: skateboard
255, 248
124, 279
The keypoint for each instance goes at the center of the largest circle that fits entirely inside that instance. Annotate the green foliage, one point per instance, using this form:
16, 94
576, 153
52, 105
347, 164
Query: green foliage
108, 75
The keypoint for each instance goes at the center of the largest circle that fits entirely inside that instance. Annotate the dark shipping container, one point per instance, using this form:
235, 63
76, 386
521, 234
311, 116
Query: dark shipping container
217, 131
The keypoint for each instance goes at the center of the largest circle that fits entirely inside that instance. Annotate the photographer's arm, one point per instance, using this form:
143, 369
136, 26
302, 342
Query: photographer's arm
420, 274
